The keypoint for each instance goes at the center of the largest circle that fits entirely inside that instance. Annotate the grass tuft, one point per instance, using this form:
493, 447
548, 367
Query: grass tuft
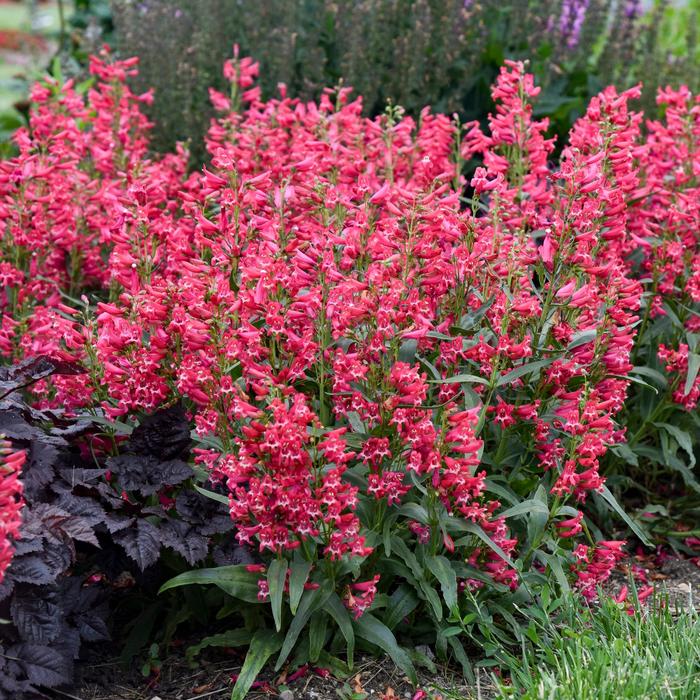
607, 654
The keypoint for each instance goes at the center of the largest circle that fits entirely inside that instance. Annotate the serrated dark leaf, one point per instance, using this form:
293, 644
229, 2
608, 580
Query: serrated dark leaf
90, 614
141, 543
47, 521
191, 505
58, 557
39, 469
13, 683
28, 545
108, 493
184, 540
116, 523
44, 665
58, 526
231, 553
146, 474
37, 619
68, 645
164, 435
174, 472
86, 508
216, 525
22, 374
92, 628
6, 587
69, 591
73, 430
74, 476
210, 517
30, 569
79, 529
14, 427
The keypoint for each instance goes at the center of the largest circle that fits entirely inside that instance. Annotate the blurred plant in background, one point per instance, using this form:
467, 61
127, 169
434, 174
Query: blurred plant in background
36, 36
413, 52
25, 47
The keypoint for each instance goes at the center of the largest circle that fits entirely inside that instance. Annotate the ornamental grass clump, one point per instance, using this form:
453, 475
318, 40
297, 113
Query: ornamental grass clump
405, 394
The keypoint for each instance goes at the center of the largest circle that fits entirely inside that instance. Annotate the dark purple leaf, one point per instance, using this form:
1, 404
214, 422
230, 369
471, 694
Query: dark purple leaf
37, 619
185, 540
68, 644
14, 427
92, 628
230, 552
31, 569
44, 665
164, 435
28, 545
88, 509
79, 529
73, 430
40, 467
6, 587
115, 523
141, 543
32, 370
210, 517
58, 557
146, 474
74, 476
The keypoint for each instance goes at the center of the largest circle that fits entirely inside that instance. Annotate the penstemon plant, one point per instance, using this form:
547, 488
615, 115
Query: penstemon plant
659, 457
431, 388
406, 393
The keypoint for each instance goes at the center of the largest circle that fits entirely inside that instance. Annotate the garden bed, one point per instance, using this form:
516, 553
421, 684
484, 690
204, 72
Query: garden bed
101, 677
359, 387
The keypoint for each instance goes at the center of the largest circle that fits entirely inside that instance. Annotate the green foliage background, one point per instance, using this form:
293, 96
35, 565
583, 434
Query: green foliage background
444, 53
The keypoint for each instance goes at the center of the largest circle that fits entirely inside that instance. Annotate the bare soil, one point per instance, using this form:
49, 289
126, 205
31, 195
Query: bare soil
378, 679
672, 577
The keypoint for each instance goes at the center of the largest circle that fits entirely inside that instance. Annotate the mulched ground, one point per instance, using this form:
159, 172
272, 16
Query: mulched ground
377, 679
102, 678
677, 578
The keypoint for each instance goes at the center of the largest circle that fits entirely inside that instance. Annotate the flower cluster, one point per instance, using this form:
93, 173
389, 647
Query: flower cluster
369, 365
666, 226
594, 564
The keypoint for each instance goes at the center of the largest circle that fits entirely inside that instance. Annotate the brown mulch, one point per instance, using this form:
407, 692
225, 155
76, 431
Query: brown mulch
377, 679
100, 676
672, 577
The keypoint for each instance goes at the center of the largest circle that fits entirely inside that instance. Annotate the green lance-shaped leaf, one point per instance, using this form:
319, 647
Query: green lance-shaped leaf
234, 580
276, 578
377, 633
263, 645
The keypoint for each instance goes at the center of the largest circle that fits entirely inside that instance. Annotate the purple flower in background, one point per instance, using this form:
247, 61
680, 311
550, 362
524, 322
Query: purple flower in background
633, 9
573, 12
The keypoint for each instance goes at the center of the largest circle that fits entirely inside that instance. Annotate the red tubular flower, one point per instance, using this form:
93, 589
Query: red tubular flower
571, 526
359, 601
11, 501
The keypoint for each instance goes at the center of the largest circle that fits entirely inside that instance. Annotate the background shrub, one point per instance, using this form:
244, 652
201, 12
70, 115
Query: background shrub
445, 53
